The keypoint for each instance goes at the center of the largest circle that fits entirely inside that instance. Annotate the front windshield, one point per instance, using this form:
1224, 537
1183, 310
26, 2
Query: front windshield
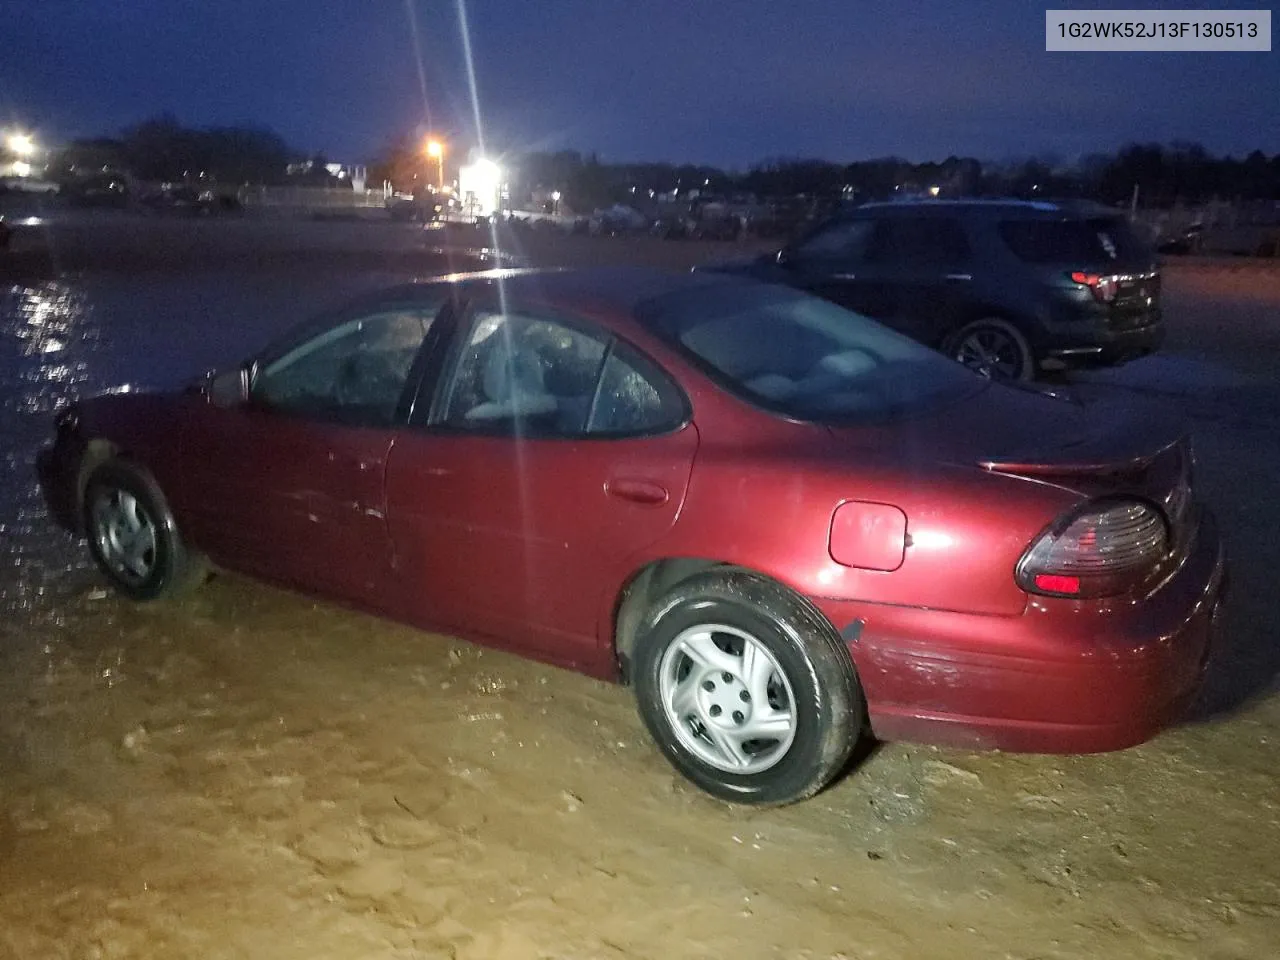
804, 357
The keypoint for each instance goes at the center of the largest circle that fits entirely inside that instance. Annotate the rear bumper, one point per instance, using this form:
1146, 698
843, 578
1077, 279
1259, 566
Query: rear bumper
1063, 677
1099, 344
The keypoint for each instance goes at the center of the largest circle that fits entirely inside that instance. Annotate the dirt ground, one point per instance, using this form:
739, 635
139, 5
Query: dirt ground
251, 774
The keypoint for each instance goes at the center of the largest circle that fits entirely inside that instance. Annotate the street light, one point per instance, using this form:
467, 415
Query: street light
435, 150
21, 143
479, 184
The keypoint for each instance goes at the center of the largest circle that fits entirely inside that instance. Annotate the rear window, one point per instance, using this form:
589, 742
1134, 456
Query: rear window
1074, 242
803, 357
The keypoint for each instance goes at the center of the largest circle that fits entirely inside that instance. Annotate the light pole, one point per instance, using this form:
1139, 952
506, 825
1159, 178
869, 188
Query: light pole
435, 150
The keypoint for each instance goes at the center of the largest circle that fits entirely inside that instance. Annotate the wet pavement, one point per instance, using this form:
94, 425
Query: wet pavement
249, 773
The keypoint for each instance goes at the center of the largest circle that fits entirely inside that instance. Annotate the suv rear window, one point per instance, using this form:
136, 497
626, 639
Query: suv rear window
1075, 242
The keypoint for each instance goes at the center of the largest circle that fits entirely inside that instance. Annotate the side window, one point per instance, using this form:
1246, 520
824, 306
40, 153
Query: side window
844, 242
931, 242
354, 372
524, 373
634, 398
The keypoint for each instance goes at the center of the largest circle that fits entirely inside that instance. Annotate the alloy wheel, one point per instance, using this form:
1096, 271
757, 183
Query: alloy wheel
727, 699
991, 352
125, 534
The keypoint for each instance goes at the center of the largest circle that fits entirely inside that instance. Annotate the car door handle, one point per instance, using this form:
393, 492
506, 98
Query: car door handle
959, 277
844, 276
648, 492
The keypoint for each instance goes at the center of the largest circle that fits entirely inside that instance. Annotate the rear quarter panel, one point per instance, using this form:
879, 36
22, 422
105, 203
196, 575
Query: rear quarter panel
767, 504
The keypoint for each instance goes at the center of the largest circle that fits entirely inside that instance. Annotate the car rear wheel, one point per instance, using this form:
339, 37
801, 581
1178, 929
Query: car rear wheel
994, 348
746, 689
132, 534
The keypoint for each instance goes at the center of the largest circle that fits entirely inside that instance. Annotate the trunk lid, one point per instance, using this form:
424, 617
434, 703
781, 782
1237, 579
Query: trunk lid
1095, 443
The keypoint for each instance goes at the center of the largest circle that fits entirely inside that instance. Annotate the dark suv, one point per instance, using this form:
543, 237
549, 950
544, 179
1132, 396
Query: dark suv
1007, 287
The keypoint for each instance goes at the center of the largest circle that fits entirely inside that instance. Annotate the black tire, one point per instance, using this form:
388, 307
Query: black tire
1007, 355
161, 564
812, 677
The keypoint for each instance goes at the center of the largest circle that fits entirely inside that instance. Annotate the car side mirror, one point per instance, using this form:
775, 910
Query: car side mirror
230, 388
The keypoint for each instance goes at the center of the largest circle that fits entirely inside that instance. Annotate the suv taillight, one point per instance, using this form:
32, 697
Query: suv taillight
1104, 288
1106, 548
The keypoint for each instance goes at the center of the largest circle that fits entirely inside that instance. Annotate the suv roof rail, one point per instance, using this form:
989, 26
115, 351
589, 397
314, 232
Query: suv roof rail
1048, 206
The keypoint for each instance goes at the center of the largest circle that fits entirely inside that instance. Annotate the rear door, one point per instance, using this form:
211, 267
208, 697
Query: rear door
554, 454
924, 266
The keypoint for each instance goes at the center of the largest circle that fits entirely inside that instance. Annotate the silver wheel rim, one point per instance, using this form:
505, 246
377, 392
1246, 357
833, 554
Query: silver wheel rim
125, 535
990, 351
727, 699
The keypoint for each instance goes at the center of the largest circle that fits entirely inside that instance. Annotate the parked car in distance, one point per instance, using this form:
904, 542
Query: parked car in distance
196, 201
98, 190
670, 227
30, 184
615, 221
1010, 288
786, 526
423, 204
1186, 241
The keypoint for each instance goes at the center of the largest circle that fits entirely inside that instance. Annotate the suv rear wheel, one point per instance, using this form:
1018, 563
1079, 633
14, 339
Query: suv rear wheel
994, 348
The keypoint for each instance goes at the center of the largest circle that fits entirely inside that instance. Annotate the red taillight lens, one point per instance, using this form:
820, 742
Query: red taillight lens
1103, 288
1057, 583
1107, 548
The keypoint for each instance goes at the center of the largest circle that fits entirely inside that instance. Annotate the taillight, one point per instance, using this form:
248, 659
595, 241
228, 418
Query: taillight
1106, 548
1104, 288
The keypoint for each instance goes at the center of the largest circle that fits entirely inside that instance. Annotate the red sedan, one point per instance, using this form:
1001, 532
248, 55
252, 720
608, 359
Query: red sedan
787, 527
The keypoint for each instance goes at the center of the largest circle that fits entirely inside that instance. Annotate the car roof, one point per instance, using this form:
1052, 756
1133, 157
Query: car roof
618, 291
1003, 208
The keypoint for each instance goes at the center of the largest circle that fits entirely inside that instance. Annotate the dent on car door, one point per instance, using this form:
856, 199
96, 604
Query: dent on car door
553, 456
293, 479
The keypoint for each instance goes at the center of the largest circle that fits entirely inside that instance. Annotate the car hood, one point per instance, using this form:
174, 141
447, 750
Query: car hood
1032, 432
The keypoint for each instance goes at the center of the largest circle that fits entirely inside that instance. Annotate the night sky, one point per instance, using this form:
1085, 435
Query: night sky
727, 82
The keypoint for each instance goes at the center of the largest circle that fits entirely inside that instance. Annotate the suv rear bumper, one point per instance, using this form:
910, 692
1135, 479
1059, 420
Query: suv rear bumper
1105, 348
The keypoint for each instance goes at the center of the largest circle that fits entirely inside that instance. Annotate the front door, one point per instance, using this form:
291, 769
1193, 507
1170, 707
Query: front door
555, 455
290, 485
832, 263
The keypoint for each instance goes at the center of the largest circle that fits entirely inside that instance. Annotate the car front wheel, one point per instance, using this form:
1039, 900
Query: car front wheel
746, 689
132, 534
